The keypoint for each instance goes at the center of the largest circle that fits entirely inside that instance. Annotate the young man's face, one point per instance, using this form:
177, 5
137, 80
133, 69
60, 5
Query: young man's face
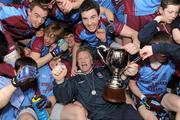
85, 61
170, 13
61, 6
70, 39
90, 20
54, 62
49, 39
37, 16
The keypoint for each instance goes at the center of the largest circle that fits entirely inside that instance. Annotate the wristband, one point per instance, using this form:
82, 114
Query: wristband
142, 97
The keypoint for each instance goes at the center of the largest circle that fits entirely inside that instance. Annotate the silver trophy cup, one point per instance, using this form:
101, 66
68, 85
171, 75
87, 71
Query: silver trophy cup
116, 59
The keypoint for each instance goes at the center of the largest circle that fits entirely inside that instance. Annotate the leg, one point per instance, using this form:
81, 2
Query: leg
72, 111
27, 114
146, 114
172, 103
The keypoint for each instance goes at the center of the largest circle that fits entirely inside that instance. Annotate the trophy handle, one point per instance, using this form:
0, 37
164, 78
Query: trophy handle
105, 49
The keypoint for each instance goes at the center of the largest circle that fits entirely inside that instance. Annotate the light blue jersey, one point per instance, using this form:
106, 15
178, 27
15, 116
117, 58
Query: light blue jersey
153, 81
19, 100
45, 81
146, 7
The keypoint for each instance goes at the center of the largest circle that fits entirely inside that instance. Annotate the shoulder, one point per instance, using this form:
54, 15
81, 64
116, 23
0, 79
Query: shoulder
79, 28
4, 81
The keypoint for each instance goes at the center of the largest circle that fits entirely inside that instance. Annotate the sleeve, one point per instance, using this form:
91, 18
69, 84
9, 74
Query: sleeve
8, 11
7, 70
118, 26
146, 33
78, 30
172, 50
4, 82
37, 45
65, 92
176, 23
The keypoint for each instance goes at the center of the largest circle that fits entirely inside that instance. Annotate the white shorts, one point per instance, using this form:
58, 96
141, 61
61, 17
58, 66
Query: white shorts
30, 111
56, 111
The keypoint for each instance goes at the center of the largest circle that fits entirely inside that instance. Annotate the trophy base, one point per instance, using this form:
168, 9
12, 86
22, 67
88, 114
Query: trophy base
114, 94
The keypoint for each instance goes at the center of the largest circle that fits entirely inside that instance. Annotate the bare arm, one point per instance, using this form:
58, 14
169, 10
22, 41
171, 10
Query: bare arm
41, 60
176, 35
108, 13
134, 88
131, 33
74, 51
5, 95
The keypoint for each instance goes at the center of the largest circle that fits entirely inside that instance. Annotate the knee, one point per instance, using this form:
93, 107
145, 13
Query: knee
74, 111
178, 105
78, 110
26, 116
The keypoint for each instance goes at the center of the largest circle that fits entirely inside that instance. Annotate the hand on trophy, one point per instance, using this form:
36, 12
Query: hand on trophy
131, 48
131, 69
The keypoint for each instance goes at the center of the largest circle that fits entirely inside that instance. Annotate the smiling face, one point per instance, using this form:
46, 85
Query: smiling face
169, 13
61, 6
85, 61
37, 16
49, 39
70, 39
90, 19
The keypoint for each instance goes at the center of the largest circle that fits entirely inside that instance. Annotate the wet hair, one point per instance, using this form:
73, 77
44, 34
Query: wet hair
161, 37
3, 45
165, 3
24, 61
27, 61
68, 31
88, 5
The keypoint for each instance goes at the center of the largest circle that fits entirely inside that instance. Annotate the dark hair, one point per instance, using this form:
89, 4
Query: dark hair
24, 61
88, 5
68, 31
161, 37
3, 45
45, 1
27, 61
165, 3
38, 3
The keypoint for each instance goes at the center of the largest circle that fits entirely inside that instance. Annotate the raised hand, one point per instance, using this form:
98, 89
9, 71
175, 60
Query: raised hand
27, 74
146, 52
110, 27
101, 35
131, 48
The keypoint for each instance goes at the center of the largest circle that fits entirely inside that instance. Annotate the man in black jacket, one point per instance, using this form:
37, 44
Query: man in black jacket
88, 86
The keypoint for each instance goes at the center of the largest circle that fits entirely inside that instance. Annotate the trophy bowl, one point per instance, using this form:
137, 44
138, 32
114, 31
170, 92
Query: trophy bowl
116, 59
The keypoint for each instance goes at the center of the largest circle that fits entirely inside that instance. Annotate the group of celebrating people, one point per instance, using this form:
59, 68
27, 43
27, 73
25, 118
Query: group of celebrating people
48, 54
